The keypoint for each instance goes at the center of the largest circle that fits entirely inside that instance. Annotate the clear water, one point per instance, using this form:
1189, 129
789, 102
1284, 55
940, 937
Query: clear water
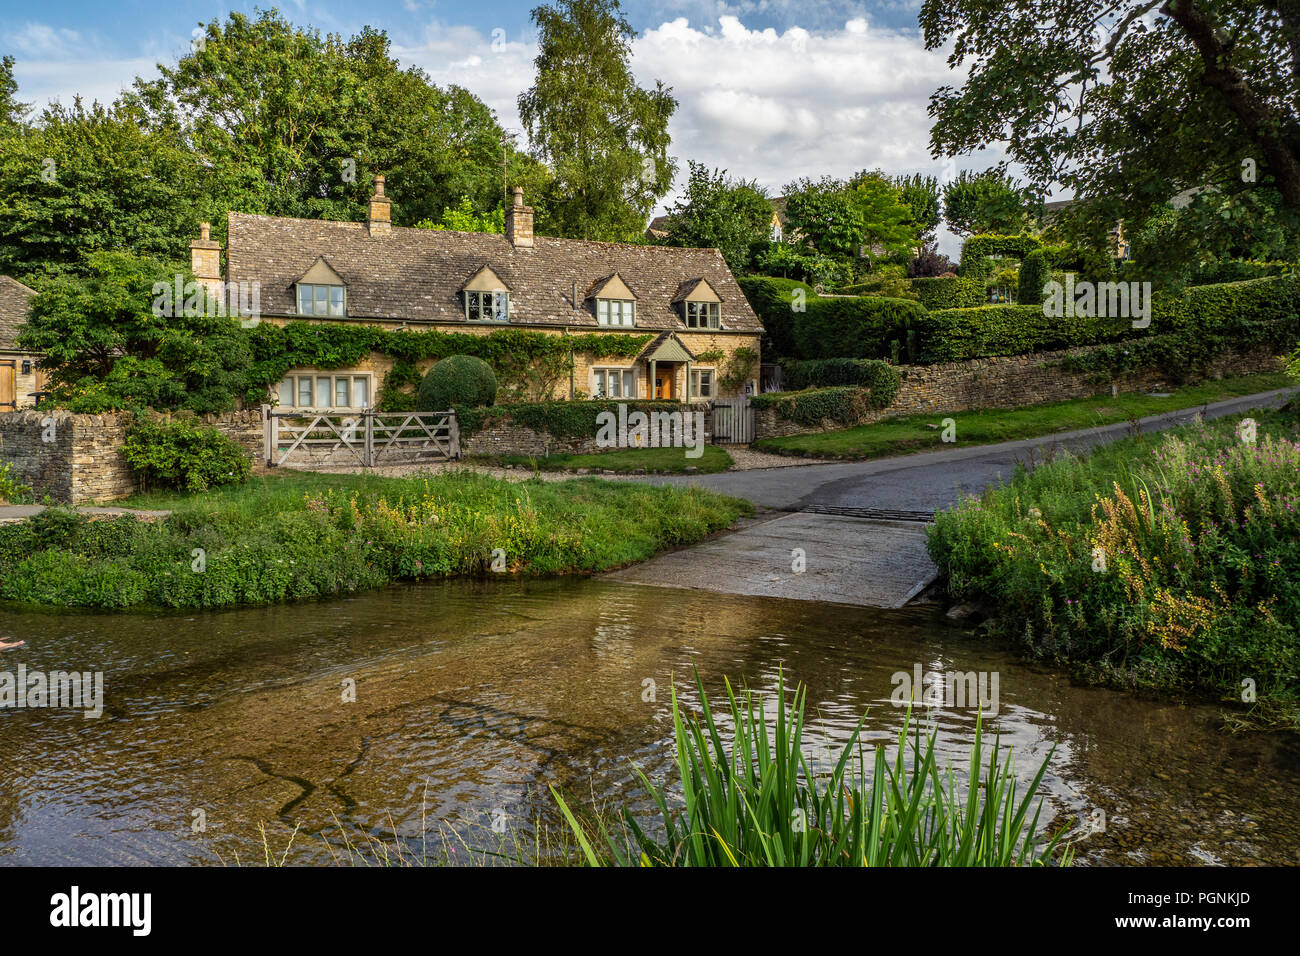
473, 698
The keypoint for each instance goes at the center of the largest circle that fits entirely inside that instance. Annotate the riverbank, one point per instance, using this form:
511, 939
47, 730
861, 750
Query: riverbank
291, 535
1169, 562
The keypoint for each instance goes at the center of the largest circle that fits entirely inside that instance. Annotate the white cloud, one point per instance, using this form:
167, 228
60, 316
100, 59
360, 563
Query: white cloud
766, 105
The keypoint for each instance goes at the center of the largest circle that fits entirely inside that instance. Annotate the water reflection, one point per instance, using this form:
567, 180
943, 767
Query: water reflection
472, 698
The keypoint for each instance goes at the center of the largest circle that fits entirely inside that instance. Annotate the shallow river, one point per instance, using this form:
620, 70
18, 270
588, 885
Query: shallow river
472, 698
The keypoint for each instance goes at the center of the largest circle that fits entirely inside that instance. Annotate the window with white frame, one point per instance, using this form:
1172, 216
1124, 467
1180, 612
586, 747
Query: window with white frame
703, 315
321, 299
613, 383
704, 383
615, 312
324, 390
487, 306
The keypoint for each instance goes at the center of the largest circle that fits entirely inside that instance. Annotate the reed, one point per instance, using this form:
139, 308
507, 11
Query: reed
754, 800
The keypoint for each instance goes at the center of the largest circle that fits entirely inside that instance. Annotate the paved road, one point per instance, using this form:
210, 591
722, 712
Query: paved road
803, 557
934, 480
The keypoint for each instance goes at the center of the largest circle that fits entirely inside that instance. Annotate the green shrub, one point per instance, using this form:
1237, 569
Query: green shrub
1173, 563
845, 405
454, 381
865, 327
977, 268
773, 302
882, 378
1034, 275
950, 292
577, 419
182, 453
1007, 247
11, 492
1239, 270
953, 335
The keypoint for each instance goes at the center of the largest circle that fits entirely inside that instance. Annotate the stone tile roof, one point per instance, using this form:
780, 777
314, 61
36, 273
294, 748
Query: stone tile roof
14, 297
416, 274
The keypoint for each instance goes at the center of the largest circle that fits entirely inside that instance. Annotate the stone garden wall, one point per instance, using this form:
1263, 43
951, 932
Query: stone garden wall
1009, 382
75, 459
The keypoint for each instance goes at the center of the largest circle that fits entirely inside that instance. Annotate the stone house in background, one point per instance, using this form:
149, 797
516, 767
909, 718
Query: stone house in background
19, 377
396, 277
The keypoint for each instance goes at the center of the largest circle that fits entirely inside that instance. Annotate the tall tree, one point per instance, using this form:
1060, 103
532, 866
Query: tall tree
1126, 102
84, 179
11, 111
921, 194
989, 201
294, 123
604, 137
720, 213
865, 215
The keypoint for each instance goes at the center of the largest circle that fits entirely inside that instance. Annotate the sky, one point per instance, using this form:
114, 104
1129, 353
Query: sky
772, 90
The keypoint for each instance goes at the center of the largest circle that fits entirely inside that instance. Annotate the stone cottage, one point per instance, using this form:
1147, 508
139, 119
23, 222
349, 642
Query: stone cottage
396, 277
19, 377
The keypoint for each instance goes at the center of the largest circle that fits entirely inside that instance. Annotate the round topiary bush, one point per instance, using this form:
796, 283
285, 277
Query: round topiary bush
457, 380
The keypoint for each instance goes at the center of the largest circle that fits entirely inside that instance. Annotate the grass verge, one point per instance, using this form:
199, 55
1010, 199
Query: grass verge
913, 433
650, 460
295, 535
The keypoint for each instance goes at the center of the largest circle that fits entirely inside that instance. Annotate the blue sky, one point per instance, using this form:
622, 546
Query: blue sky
768, 89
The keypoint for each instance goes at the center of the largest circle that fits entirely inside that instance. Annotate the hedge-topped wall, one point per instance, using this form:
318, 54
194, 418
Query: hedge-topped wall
1186, 330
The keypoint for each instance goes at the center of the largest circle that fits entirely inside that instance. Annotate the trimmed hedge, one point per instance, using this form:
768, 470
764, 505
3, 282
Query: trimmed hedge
987, 244
1239, 270
866, 327
456, 380
560, 419
1034, 275
950, 292
772, 300
1205, 321
953, 335
880, 377
844, 405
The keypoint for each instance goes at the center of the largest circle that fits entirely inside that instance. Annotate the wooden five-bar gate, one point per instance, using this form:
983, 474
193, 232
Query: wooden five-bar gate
365, 438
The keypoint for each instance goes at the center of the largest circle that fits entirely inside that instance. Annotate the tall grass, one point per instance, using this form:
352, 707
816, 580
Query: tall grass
1170, 563
754, 800
281, 538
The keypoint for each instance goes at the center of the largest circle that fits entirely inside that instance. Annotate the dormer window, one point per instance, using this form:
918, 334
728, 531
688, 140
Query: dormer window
321, 299
487, 306
701, 306
704, 315
615, 302
615, 312
486, 297
322, 291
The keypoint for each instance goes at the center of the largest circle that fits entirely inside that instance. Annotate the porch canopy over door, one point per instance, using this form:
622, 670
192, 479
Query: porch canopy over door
667, 347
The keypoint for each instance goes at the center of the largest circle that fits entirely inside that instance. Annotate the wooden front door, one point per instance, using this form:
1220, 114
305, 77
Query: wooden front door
664, 380
8, 381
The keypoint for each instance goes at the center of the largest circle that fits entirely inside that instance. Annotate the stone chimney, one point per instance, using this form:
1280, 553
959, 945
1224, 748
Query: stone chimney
380, 220
205, 260
519, 222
